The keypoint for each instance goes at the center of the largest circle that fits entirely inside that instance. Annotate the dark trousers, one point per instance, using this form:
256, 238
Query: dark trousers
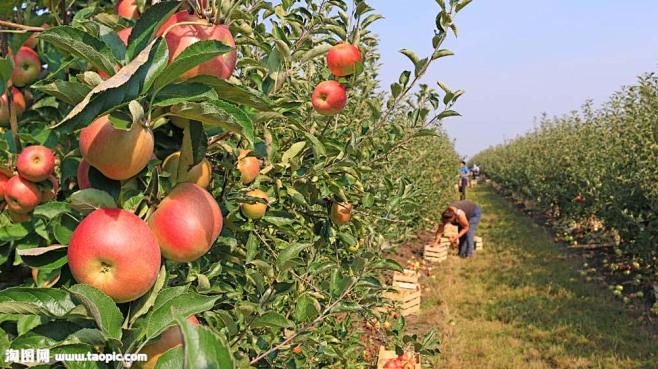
463, 184
466, 242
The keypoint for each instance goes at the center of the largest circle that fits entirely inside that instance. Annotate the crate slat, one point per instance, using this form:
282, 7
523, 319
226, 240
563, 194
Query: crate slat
409, 300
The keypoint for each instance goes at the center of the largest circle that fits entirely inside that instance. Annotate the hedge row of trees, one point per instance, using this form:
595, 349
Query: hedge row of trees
287, 290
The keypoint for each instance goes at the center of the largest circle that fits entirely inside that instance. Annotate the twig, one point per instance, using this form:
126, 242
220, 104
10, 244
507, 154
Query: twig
319, 319
21, 26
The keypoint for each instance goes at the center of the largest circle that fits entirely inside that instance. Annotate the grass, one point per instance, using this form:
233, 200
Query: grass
520, 304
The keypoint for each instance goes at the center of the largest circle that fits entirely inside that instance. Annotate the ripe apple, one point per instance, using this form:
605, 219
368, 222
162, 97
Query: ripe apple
186, 223
170, 338
256, 210
249, 167
127, 9
392, 364
83, 175
341, 212
115, 251
18, 104
27, 67
21, 195
342, 59
124, 34
50, 192
3, 183
180, 37
118, 154
329, 98
201, 174
36, 163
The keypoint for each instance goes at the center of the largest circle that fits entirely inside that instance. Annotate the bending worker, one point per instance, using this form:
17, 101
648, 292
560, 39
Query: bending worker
465, 215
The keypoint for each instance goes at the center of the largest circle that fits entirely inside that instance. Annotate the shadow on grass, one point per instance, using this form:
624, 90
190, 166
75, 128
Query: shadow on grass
533, 285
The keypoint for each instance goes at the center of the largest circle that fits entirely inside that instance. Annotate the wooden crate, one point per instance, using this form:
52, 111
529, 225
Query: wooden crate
450, 230
409, 299
407, 280
479, 244
436, 254
386, 355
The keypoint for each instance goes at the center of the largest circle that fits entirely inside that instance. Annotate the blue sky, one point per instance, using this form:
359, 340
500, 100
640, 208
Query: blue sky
519, 58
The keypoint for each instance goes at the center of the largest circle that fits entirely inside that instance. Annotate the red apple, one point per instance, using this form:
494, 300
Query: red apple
50, 192
341, 212
114, 251
21, 195
170, 338
83, 175
18, 104
118, 154
329, 98
124, 34
186, 223
255, 210
127, 9
36, 163
343, 59
180, 37
3, 183
248, 166
27, 67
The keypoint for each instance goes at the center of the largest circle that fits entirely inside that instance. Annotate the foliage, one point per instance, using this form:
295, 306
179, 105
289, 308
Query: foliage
598, 164
291, 278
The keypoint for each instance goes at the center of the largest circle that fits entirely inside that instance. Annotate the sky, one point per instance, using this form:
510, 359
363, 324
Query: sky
517, 59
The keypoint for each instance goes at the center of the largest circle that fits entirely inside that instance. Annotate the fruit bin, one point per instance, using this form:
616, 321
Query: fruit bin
408, 299
406, 280
386, 355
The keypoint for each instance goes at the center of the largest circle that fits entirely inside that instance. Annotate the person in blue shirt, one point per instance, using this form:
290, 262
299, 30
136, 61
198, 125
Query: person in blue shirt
464, 173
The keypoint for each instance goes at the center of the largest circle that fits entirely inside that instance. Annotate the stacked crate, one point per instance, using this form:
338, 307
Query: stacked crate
407, 292
479, 244
437, 254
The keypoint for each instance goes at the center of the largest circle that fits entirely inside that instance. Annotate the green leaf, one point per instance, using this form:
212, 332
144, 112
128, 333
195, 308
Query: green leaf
236, 94
217, 113
182, 92
462, 4
146, 302
48, 302
203, 348
289, 253
293, 151
389, 264
50, 257
126, 85
13, 232
51, 209
441, 53
314, 53
101, 307
411, 55
70, 92
147, 26
73, 41
347, 239
278, 221
90, 199
447, 113
193, 55
272, 319
171, 359
188, 303
307, 308
6, 69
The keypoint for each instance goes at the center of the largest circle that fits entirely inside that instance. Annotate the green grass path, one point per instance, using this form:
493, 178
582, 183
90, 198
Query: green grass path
520, 304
